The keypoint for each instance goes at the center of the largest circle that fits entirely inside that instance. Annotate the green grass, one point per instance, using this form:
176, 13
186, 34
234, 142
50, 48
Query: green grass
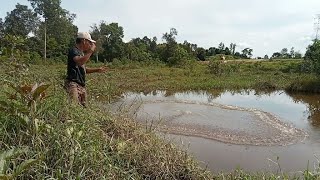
274, 75
62, 141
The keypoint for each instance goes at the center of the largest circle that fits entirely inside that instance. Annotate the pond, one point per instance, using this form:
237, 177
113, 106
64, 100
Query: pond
227, 130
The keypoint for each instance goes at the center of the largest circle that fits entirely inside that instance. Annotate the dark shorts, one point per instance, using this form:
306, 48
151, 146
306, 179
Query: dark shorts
76, 92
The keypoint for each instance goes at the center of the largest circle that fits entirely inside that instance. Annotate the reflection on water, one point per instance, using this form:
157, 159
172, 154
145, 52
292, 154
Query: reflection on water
313, 105
222, 126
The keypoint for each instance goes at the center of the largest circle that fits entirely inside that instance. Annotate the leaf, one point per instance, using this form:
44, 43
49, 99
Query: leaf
39, 90
12, 153
37, 123
34, 87
26, 89
2, 165
23, 166
4, 106
6, 176
7, 155
21, 89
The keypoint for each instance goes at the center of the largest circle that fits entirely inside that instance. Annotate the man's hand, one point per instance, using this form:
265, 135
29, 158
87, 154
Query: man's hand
102, 69
93, 47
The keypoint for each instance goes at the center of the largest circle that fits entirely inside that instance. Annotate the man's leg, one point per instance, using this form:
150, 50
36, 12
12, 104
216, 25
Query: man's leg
73, 92
82, 96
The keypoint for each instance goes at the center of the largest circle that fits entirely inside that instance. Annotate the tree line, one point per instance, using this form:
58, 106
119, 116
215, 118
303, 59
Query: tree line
46, 31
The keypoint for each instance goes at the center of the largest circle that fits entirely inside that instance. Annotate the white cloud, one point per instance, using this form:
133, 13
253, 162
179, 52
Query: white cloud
243, 45
264, 25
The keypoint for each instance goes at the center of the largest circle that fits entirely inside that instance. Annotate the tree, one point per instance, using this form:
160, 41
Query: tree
153, 46
174, 54
141, 49
1, 28
227, 51
113, 45
100, 37
170, 37
190, 48
201, 53
57, 26
221, 46
211, 51
1, 34
246, 53
297, 55
237, 55
12, 42
179, 57
233, 48
136, 52
171, 44
312, 56
292, 53
276, 55
266, 57
21, 21
284, 53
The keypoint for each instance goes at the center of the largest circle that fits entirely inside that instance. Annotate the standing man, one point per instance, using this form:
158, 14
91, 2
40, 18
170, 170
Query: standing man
76, 70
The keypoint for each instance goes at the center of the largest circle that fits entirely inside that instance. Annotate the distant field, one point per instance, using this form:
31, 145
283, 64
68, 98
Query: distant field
255, 60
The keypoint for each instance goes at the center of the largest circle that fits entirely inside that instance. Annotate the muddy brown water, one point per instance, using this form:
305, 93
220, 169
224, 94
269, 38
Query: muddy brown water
227, 130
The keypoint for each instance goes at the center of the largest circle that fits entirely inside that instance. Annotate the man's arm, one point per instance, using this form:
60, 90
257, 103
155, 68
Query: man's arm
81, 60
94, 70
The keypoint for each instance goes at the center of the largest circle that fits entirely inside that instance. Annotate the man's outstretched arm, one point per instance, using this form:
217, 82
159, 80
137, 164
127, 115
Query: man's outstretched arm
96, 70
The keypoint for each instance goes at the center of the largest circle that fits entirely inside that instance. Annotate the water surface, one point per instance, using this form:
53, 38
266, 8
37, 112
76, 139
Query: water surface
236, 129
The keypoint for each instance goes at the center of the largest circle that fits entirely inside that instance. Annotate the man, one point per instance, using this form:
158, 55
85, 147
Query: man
76, 70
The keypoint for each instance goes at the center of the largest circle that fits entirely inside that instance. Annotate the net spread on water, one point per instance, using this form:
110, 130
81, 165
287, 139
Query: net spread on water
224, 123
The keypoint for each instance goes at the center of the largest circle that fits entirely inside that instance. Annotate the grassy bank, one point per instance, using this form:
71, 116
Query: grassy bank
233, 75
43, 138
48, 138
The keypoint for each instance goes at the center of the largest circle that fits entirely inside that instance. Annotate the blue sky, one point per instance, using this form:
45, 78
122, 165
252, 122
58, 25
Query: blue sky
266, 26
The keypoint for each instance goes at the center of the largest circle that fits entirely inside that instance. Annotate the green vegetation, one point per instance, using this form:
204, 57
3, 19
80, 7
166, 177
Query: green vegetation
42, 137
216, 75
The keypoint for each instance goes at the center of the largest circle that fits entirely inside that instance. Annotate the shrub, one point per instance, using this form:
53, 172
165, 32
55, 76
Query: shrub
312, 57
178, 57
218, 67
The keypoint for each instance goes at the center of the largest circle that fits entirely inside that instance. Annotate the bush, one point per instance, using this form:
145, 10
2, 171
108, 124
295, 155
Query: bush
35, 58
178, 57
313, 57
218, 67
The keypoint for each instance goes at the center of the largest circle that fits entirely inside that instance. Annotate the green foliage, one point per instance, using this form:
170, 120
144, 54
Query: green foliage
110, 44
246, 53
201, 54
312, 56
285, 54
57, 27
14, 45
9, 164
219, 67
20, 21
178, 57
75, 143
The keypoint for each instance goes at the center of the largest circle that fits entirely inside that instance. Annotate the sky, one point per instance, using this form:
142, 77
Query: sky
266, 26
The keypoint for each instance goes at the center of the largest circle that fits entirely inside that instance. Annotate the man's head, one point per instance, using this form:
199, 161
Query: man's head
84, 40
